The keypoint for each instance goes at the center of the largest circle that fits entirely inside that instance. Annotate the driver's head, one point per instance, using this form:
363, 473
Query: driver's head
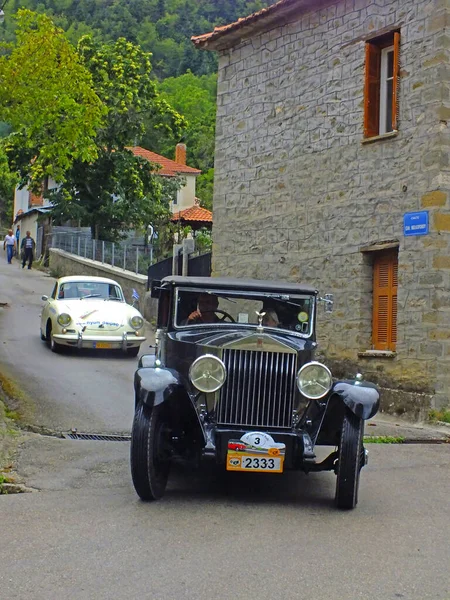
207, 303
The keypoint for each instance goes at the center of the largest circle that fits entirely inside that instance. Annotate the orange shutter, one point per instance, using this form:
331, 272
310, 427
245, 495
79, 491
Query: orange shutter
372, 91
396, 81
385, 282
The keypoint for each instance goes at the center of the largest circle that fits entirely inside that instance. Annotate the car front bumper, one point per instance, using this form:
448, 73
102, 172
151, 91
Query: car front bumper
113, 342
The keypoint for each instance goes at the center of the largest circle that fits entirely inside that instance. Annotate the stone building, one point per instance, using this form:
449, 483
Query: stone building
333, 168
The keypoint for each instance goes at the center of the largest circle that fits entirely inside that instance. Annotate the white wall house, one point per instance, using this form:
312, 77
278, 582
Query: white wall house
173, 168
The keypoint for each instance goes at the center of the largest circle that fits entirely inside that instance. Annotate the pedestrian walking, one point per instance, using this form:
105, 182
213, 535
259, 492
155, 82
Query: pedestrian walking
17, 238
27, 249
9, 245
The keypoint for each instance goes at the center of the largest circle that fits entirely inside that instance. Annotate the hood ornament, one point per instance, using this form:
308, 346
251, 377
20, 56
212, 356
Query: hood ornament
260, 316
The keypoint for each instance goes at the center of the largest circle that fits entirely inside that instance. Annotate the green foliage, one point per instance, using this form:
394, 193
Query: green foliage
47, 98
118, 190
439, 415
163, 27
7, 184
383, 439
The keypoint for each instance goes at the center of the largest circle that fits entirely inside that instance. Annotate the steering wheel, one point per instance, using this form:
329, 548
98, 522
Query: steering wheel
222, 312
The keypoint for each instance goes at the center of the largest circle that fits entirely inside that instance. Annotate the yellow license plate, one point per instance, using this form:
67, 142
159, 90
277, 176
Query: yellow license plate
103, 345
259, 463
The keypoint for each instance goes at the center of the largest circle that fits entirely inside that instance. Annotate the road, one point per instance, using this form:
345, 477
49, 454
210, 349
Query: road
85, 535
86, 391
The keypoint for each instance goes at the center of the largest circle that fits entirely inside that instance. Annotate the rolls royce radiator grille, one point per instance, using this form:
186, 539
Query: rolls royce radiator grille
259, 390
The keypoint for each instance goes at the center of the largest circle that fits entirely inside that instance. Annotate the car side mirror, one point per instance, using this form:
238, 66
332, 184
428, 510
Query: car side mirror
328, 301
44, 298
155, 290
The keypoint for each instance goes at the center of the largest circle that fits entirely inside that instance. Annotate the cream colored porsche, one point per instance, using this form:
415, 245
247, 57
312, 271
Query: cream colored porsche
90, 312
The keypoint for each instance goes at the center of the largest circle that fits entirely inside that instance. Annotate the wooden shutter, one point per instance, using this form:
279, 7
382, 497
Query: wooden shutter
396, 81
385, 283
372, 90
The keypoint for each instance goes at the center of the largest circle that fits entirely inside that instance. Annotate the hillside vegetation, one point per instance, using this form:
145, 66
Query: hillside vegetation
185, 76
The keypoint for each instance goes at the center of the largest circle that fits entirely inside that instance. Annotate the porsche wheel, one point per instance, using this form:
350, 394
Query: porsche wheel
54, 346
349, 461
150, 454
133, 351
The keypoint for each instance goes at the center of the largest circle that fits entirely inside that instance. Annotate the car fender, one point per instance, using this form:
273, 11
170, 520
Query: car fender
361, 397
154, 385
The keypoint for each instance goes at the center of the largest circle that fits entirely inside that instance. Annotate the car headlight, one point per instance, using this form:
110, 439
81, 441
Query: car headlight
136, 322
314, 380
208, 373
64, 319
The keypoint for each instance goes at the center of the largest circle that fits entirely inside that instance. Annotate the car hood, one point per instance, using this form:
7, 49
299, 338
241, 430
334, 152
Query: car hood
244, 340
89, 314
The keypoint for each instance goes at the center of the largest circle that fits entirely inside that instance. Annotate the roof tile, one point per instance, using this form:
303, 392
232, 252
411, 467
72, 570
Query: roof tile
194, 213
170, 168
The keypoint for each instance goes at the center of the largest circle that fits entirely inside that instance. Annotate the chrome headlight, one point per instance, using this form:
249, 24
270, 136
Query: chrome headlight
208, 373
314, 380
64, 319
136, 322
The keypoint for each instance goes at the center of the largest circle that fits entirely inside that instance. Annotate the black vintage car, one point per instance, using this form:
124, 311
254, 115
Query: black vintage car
234, 378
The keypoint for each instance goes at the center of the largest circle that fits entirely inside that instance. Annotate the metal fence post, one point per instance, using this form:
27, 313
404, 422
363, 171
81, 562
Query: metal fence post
124, 257
71, 244
103, 251
137, 259
112, 255
93, 249
79, 246
85, 247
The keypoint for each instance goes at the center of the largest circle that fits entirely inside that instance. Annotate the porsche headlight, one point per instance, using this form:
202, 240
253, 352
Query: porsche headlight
314, 380
208, 373
64, 319
136, 322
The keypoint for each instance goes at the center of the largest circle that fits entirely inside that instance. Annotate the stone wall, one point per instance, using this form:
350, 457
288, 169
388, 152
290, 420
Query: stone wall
63, 264
297, 193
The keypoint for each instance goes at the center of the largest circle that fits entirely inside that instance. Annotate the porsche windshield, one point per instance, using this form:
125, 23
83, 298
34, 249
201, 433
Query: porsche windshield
72, 290
290, 312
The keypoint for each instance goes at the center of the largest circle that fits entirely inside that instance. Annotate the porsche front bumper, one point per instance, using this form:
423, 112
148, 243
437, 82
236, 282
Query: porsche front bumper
81, 340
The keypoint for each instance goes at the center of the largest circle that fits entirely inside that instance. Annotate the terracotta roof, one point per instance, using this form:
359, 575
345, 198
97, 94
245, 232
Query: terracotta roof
194, 213
235, 31
170, 168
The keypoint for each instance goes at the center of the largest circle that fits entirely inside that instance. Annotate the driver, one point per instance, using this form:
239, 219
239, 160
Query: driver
207, 305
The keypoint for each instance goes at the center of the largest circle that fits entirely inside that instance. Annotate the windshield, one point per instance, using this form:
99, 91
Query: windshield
72, 290
290, 312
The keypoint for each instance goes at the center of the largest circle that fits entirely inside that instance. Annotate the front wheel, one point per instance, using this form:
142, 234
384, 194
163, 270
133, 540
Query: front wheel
133, 351
349, 461
150, 452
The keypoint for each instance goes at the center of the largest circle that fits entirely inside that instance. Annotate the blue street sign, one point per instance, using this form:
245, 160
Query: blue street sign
415, 223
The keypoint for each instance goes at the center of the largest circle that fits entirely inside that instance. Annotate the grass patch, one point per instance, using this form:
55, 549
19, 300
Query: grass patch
439, 415
383, 439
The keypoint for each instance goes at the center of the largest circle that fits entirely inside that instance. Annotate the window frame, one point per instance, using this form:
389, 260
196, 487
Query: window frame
375, 101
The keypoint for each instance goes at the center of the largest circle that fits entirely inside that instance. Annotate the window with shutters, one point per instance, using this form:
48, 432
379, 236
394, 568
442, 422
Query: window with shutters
381, 85
385, 282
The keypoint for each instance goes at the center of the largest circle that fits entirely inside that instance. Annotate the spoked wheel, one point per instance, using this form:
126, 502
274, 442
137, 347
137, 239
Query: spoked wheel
350, 461
150, 452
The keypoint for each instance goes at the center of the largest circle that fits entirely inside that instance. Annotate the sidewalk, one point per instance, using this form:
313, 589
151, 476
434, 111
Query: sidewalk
384, 425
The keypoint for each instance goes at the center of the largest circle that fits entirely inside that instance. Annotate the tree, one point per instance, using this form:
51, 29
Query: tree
195, 98
47, 98
118, 190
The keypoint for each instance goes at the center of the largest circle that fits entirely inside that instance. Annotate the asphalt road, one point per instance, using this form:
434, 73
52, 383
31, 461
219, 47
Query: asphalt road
214, 536
89, 391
